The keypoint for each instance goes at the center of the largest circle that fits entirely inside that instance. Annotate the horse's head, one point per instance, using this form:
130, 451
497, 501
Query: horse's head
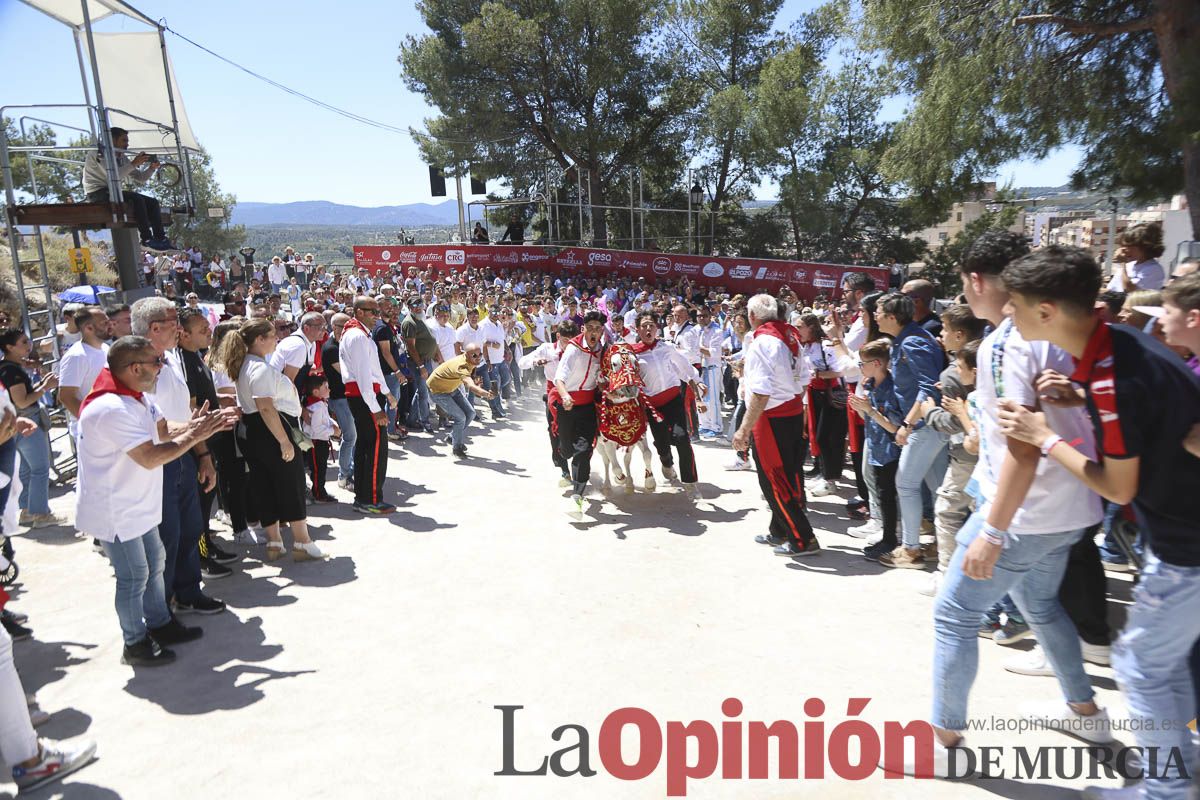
621, 370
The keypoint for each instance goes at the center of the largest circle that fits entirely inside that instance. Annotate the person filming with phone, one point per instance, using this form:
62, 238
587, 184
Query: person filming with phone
139, 170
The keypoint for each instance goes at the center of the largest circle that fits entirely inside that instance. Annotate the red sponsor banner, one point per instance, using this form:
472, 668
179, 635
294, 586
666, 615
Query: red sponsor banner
744, 275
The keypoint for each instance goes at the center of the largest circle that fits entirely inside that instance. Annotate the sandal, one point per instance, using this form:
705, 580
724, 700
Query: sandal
275, 551
308, 551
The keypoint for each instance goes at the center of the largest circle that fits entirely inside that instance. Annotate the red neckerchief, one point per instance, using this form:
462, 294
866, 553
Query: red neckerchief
106, 383
781, 331
1096, 370
639, 348
355, 323
312, 400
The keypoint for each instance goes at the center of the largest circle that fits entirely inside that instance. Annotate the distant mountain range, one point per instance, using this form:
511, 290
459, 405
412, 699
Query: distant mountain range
322, 212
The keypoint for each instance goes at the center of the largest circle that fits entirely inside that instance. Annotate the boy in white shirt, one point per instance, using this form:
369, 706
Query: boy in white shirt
320, 427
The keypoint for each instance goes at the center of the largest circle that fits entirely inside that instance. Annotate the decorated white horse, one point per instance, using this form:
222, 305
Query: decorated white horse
623, 410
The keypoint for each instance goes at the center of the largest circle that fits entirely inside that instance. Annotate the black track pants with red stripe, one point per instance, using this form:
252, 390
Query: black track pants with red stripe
779, 449
576, 439
370, 453
674, 430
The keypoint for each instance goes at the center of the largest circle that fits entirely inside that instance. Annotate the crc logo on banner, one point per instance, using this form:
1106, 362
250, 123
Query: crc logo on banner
599, 258
687, 269
661, 266
457, 257
741, 271
825, 280
713, 270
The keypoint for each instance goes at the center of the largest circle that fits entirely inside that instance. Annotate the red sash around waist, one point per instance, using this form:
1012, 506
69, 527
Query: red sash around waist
352, 389
789, 409
662, 398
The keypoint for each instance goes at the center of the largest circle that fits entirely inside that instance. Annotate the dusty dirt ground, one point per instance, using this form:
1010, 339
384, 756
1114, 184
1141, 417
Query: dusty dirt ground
377, 673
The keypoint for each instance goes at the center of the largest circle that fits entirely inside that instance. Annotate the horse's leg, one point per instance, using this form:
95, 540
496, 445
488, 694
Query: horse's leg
648, 460
604, 446
628, 472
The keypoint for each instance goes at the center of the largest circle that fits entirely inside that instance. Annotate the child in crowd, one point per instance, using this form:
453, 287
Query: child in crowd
320, 427
883, 415
960, 328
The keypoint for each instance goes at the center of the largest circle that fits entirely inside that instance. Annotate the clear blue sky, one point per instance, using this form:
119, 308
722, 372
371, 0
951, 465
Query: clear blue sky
270, 147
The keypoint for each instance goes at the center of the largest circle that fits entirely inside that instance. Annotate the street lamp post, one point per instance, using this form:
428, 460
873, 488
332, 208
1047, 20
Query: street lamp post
696, 199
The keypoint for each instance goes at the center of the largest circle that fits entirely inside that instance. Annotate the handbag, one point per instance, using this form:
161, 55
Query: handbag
302, 440
837, 396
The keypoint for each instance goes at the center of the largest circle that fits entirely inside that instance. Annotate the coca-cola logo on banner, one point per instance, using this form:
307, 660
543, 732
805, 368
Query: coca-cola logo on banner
825, 280
457, 257
687, 269
599, 258
713, 270
661, 266
406, 257
741, 271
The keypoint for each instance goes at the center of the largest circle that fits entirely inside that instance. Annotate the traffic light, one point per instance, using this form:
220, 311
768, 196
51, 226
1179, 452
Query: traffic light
437, 182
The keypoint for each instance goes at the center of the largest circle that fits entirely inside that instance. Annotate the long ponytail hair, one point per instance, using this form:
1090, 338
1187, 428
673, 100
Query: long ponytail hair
235, 347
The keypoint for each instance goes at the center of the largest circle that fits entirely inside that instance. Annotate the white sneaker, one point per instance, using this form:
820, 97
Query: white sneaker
820, 488
1059, 716
1133, 792
1032, 663
247, 537
58, 759
941, 766
872, 527
1096, 653
739, 464
935, 583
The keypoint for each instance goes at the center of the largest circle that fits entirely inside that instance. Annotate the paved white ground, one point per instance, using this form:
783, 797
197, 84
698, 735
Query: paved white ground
376, 674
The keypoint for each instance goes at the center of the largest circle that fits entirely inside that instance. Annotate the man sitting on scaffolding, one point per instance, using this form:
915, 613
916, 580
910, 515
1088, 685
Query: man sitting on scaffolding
145, 209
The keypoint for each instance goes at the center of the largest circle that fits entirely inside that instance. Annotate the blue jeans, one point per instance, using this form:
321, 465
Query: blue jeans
1151, 661
180, 529
923, 462
489, 376
1031, 570
340, 409
507, 384
460, 411
393, 383
418, 416
141, 600
35, 472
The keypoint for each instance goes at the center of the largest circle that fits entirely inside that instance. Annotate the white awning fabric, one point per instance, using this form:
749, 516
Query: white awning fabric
70, 12
134, 86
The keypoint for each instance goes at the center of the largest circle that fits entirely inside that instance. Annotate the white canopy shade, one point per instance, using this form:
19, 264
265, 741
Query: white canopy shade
70, 12
133, 81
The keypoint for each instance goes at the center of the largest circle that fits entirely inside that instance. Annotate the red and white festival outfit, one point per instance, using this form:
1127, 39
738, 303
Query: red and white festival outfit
578, 370
775, 367
365, 387
664, 369
551, 353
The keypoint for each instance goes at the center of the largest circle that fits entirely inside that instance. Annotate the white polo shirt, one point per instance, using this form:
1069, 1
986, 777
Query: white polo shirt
293, 350
467, 335
78, 368
260, 380
117, 499
493, 332
445, 337
171, 393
